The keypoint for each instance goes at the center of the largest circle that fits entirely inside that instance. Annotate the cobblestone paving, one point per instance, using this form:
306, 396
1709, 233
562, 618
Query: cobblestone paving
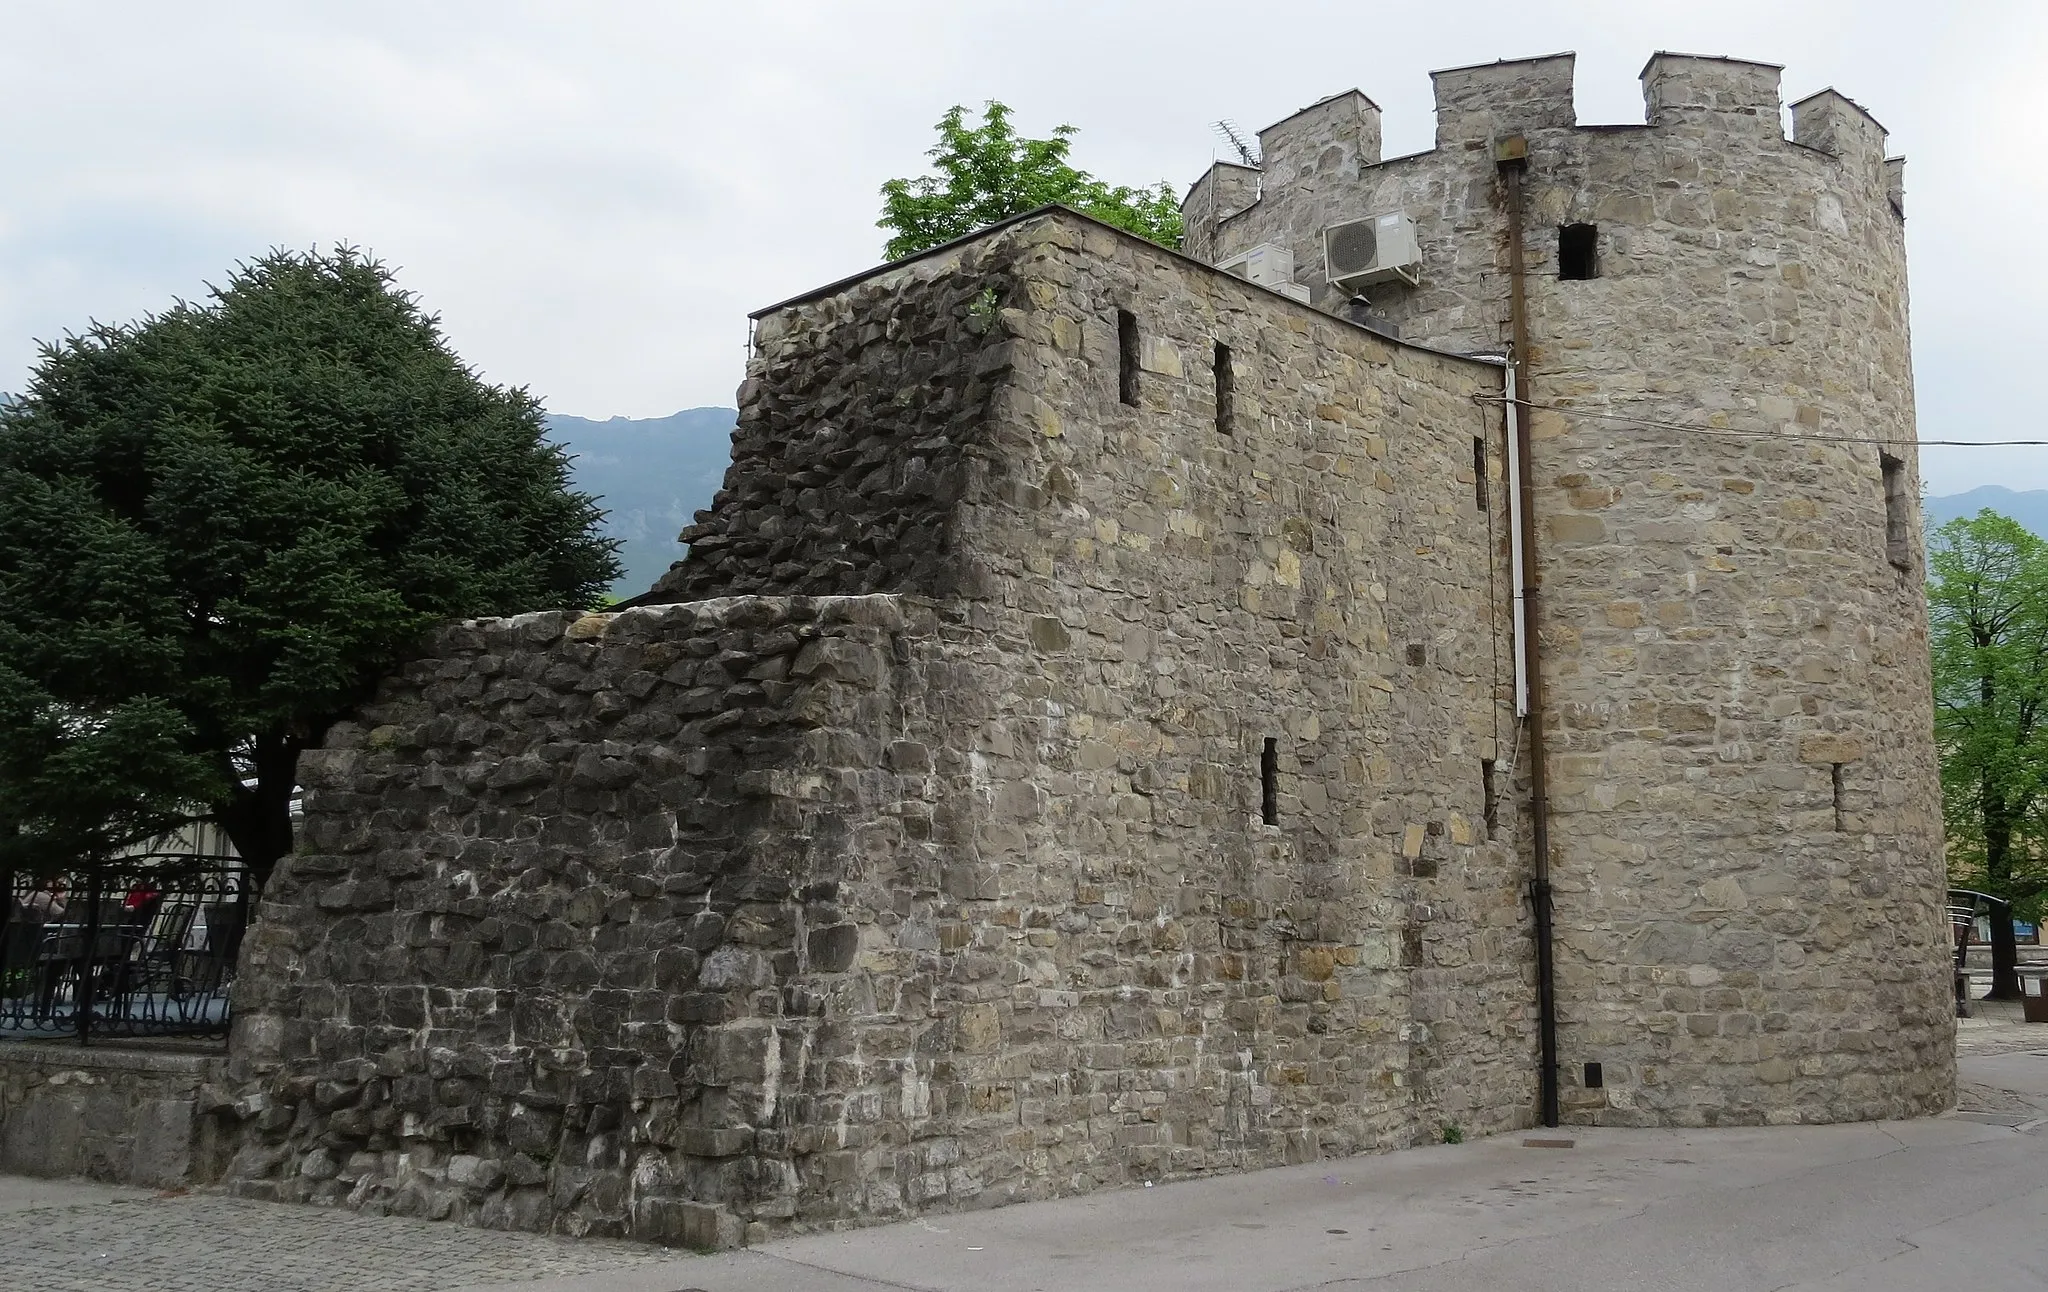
1995, 1030
1998, 1030
211, 1244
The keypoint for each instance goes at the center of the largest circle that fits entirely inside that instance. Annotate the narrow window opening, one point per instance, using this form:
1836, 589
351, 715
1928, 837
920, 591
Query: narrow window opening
1578, 251
1269, 782
1594, 1077
1127, 356
1835, 775
1479, 471
1898, 532
1492, 796
1226, 389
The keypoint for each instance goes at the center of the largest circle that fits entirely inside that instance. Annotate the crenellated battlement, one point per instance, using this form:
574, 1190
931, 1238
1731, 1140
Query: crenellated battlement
1704, 94
1225, 189
1832, 122
1513, 96
1324, 163
1734, 96
1340, 133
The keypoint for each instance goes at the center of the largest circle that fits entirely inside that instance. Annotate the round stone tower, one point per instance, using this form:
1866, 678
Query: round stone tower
1745, 827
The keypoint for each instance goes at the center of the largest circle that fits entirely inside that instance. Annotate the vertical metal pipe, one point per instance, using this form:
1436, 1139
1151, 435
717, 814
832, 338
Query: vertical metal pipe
1513, 161
1521, 610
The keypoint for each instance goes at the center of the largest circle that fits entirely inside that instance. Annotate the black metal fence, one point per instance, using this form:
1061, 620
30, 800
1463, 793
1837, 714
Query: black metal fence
142, 946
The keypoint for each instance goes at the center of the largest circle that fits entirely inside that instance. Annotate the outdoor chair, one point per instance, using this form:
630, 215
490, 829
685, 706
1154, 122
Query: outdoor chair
18, 939
211, 968
1962, 919
62, 959
32, 967
153, 966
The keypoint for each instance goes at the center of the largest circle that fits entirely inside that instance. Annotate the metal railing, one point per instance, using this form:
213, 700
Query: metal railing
144, 945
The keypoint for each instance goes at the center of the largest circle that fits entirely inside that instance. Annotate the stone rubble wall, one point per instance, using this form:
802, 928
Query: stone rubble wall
578, 920
1724, 631
713, 919
1356, 977
848, 466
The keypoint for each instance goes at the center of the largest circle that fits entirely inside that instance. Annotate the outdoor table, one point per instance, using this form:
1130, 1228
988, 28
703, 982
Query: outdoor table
63, 949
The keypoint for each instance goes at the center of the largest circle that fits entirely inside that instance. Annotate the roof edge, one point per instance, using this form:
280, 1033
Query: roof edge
1572, 54
1868, 115
1705, 58
1056, 211
817, 293
1327, 98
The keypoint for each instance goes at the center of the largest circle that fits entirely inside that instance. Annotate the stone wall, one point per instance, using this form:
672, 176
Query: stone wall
848, 466
1079, 746
1746, 827
141, 1117
572, 910
729, 915
1319, 574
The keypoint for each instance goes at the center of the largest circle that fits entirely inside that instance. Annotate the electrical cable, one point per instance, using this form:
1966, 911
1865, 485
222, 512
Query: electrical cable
1730, 433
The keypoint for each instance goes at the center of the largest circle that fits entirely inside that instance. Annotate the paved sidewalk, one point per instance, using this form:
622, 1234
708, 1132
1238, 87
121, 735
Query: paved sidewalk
62, 1235
1960, 1200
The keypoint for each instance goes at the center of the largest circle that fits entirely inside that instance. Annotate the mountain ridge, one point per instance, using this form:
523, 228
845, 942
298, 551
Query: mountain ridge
2027, 506
655, 473
652, 475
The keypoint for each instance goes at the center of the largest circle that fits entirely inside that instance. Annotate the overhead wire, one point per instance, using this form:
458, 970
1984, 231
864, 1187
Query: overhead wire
1735, 433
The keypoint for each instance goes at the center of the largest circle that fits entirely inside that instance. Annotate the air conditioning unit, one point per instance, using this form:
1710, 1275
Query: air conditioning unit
1377, 249
1267, 265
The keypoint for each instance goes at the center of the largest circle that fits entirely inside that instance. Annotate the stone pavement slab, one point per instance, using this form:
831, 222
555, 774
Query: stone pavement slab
1750, 1210
1726, 1210
2021, 1073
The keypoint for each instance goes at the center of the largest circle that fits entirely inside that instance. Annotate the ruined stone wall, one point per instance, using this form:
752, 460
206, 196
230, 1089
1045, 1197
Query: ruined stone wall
1149, 980
1182, 986
731, 915
848, 465
1746, 825
570, 925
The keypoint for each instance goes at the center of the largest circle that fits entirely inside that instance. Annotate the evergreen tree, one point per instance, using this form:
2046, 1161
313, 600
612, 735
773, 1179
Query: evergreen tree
219, 525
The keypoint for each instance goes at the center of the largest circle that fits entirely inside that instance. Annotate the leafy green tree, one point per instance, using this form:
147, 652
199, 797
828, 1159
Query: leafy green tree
989, 173
1988, 615
219, 525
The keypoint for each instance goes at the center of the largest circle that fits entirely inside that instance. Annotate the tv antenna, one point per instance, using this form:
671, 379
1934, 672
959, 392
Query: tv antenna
1233, 135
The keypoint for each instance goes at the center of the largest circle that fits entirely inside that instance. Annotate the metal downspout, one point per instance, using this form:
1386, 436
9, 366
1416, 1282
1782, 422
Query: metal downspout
1512, 157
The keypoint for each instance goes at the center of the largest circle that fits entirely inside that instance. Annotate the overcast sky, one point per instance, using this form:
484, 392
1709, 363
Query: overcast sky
593, 195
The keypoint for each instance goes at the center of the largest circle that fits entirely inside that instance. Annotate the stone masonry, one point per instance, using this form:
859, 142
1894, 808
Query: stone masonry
1746, 825
126, 1116
799, 907
1080, 746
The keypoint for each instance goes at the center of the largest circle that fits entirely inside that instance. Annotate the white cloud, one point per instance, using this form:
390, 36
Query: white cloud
593, 196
